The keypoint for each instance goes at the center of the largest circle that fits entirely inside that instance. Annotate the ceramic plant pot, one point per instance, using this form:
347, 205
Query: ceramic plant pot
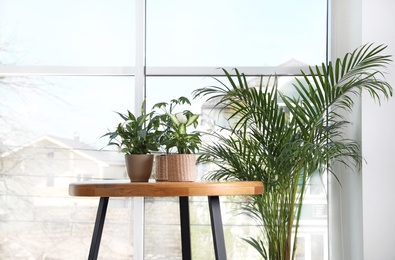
181, 167
139, 166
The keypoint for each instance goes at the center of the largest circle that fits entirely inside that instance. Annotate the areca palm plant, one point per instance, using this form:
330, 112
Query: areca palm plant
284, 145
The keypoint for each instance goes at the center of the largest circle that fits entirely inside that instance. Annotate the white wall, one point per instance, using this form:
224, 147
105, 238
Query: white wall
362, 210
378, 142
345, 200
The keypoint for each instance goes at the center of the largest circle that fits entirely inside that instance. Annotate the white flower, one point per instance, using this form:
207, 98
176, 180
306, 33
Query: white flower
181, 118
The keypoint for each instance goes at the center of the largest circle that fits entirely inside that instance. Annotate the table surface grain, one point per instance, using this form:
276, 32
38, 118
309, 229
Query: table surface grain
125, 188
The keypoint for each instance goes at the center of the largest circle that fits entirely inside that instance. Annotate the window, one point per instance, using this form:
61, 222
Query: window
67, 66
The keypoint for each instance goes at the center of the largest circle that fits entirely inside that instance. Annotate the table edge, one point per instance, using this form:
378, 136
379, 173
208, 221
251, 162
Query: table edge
164, 189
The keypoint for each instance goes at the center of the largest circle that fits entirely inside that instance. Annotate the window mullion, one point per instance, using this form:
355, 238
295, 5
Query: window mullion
139, 215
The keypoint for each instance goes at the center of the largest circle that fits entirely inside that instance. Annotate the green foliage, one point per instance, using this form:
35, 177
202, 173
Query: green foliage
283, 146
175, 134
136, 135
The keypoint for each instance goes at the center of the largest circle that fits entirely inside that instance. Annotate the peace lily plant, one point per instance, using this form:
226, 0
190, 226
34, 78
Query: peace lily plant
137, 134
137, 137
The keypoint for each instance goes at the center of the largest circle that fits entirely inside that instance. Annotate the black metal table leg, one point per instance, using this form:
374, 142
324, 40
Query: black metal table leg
216, 228
185, 229
98, 229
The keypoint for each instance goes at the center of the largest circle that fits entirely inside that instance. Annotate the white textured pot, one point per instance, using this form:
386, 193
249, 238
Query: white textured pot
139, 166
181, 167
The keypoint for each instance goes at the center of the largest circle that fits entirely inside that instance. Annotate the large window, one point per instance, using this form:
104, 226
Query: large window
67, 66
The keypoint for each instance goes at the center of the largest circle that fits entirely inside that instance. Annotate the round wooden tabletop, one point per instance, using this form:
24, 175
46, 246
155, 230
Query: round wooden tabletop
122, 188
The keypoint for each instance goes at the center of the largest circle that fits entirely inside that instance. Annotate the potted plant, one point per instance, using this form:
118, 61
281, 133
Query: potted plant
137, 137
178, 144
284, 145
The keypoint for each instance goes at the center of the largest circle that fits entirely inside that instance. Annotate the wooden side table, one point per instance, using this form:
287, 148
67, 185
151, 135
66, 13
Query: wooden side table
183, 190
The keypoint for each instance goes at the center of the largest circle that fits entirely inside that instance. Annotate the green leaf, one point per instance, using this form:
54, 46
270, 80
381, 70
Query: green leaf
192, 120
174, 120
182, 130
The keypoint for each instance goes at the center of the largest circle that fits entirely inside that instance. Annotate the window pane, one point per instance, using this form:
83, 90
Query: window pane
163, 89
79, 33
52, 138
235, 33
162, 224
65, 106
161, 227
